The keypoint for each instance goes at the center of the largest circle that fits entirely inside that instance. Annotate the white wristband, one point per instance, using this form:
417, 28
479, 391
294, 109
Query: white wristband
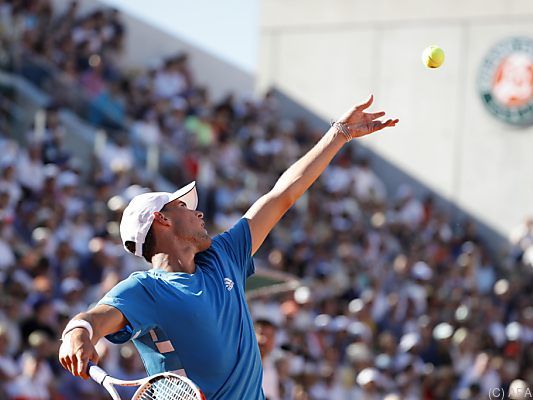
77, 323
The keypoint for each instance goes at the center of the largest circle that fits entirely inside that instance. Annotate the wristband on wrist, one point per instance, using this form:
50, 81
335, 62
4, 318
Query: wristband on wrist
77, 323
341, 127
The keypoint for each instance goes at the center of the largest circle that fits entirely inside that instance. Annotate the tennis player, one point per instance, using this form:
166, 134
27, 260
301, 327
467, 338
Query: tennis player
189, 311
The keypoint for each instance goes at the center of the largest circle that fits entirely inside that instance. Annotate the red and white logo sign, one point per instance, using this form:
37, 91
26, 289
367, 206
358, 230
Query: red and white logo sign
506, 81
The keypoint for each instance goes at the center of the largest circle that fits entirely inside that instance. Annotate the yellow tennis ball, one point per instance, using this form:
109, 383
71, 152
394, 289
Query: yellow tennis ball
433, 56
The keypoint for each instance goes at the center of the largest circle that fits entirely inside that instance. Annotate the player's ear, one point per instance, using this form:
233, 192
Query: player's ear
161, 219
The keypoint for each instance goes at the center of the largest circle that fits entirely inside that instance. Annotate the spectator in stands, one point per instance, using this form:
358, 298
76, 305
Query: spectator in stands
36, 380
265, 331
9, 369
169, 81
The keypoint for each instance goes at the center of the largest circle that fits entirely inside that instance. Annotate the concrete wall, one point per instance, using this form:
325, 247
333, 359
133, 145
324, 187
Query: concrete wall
146, 44
328, 55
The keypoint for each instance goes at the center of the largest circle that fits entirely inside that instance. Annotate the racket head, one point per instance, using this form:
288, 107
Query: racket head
168, 386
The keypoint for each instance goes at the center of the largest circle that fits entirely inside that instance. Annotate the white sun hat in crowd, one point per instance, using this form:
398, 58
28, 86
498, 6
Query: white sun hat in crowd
139, 214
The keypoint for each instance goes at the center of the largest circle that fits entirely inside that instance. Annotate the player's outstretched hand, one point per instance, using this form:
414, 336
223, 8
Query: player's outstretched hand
361, 123
76, 351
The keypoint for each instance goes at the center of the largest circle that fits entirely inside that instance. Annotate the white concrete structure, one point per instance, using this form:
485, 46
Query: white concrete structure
328, 54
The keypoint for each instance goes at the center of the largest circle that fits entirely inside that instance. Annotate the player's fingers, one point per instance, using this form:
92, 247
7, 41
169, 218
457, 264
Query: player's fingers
372, 116
95, 358
375, 126
74, 365
83, 364
71, 367
64, 362
389, 123
366, 104
392, 122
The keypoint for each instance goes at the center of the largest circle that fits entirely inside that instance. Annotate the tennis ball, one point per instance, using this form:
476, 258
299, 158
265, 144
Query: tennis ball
433, 56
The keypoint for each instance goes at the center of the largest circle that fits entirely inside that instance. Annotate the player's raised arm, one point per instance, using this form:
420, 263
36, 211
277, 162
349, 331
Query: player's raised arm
83, 332
269, 209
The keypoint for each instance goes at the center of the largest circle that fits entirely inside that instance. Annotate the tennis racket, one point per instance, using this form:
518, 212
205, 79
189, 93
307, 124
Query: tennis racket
164, 386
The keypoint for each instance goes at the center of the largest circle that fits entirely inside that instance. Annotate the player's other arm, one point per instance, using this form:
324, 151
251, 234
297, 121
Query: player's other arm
77, 348
268, 210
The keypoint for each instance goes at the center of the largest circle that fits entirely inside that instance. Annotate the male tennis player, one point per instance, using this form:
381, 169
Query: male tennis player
189, 311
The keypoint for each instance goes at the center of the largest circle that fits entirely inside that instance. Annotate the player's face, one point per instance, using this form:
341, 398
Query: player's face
188, 225
266, 336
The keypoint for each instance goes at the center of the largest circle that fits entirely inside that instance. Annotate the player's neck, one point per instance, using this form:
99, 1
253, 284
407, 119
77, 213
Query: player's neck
181, 261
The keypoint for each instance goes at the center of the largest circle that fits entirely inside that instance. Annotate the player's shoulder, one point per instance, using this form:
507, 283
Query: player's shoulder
135, 284
226, 240
238, 231
140, 277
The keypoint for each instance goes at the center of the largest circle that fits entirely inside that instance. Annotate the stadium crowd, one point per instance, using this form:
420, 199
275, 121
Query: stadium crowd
398, 300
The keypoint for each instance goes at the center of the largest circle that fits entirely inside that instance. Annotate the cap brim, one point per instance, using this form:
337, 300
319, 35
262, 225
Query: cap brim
187, 194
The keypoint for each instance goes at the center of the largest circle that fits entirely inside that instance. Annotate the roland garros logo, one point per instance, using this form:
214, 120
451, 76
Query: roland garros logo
506, 81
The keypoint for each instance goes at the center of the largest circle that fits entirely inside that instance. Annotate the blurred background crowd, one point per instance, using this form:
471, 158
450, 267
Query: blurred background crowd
398, 299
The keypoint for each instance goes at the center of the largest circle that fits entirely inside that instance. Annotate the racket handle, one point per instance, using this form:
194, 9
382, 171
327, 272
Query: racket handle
97, 373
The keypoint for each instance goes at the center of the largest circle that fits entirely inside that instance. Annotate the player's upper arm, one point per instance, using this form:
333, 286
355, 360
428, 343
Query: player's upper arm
264, 214
105, 320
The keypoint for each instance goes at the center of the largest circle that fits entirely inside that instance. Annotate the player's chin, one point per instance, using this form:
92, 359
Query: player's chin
204, 241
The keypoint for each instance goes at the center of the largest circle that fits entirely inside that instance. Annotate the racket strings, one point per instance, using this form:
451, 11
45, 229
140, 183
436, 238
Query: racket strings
168, 388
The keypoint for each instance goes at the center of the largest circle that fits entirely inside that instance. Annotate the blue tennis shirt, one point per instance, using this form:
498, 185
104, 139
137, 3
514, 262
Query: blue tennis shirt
197, 322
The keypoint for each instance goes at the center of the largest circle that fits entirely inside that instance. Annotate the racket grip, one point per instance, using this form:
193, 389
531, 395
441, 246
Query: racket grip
97, 373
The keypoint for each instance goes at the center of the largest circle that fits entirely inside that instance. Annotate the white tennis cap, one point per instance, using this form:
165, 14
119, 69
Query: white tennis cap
139, 214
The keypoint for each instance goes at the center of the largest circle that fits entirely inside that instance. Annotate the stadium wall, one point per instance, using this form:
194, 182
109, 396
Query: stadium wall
327, 55
145, 45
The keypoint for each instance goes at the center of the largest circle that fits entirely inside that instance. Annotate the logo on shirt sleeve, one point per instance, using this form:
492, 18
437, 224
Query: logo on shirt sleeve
228, 283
